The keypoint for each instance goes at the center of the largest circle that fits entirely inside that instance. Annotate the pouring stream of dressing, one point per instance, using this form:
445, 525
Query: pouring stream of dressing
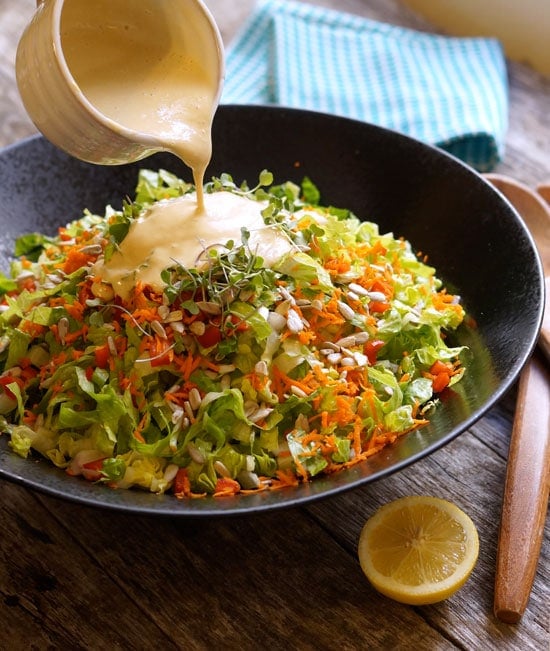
147, 70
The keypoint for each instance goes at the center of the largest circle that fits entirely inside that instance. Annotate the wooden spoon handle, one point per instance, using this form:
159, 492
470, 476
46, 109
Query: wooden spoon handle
525, 494
544, 337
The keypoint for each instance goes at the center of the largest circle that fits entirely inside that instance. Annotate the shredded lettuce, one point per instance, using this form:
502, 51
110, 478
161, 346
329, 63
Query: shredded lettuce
260, 376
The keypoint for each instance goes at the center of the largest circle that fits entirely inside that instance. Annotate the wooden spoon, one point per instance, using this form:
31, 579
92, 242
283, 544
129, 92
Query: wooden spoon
527, 476
544, 191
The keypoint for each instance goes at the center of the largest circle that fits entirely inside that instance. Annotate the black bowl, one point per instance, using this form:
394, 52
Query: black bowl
475, 239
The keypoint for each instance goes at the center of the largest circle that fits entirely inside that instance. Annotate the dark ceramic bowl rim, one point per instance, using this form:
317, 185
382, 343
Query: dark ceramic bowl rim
31, 473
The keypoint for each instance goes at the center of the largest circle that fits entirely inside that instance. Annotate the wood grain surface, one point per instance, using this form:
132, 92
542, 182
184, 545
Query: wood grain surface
81, 578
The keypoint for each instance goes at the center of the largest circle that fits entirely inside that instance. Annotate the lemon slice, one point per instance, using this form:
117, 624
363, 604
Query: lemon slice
418, 549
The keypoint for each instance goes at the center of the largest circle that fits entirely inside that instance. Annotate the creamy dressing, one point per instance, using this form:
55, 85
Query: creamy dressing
155, 241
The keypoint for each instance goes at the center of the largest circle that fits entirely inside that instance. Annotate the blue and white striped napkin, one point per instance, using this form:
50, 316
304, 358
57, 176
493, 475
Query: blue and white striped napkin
450, 92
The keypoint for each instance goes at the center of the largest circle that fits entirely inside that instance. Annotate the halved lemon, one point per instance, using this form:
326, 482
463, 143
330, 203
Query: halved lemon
418, 549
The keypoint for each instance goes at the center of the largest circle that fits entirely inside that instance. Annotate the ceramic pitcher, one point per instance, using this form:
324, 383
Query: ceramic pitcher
50, 86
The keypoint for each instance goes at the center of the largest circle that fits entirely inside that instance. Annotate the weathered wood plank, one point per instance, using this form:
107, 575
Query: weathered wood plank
191, 584
53, 593
78, 578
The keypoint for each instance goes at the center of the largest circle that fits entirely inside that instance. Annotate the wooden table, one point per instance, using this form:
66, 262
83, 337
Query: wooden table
80, 578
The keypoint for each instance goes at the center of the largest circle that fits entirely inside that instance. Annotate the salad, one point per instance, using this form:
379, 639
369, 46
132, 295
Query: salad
235, 376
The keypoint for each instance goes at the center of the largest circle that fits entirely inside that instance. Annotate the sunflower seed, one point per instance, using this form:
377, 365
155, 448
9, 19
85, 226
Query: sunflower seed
301, 423
283, 307
92, 249
227, 295
300, 393
197, 328
112, 347
157, 327
360, 359
287, 295
195, 398
55, 279
346, 341
195, 453
358, 289
276, 321
345, 310
346, 277
177, 326
294, 322
221, 469
24, 275
226, 368
172, 317
170, 472
326, 351
189, 410
361, 337
209, 307
263, 311
260, 414
163, 312
63, 328
248, 480
261, 368
347, 361
377, 296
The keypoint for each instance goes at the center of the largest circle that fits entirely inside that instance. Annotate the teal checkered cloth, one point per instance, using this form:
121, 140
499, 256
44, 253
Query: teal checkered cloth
450, 92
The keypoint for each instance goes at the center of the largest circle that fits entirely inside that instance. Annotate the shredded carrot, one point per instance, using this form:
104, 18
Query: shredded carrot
225, 487
334, 346
75, 260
